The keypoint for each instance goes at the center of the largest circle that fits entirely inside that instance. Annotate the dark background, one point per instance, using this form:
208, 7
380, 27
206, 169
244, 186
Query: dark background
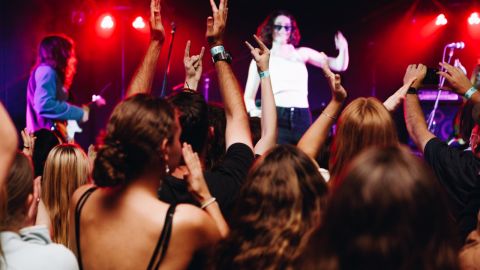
384, 37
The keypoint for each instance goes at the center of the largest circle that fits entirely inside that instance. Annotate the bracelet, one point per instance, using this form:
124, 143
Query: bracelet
217, 49
208, 202
470, 92
412, 90
264, 74
329, 116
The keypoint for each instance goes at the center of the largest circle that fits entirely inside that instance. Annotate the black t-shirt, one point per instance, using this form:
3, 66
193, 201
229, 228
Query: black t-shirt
456, 170
224, 182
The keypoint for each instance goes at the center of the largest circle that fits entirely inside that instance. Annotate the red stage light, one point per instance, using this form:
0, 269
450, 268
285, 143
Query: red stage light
441, 20
138, 23
474, 18
107, 22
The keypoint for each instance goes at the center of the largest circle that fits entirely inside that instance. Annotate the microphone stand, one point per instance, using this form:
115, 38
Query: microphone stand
167, 70
441, 83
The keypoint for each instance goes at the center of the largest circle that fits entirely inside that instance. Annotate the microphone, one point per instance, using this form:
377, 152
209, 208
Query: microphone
456, 45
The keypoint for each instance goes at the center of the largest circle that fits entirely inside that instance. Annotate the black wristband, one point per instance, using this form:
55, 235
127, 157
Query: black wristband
412, 90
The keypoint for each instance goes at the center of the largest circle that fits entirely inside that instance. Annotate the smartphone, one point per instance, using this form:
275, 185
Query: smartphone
431, 78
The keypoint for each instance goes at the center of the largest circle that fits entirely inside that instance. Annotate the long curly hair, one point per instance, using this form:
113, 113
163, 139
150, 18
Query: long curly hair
278, 207
58, 52
133, 140
387, 213
365, 122
265, 30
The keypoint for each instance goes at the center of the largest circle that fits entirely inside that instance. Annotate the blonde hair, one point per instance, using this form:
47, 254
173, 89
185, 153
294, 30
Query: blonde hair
67, 167
364, 122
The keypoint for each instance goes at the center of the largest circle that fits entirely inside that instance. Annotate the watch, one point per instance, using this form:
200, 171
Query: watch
222, 56
412, 90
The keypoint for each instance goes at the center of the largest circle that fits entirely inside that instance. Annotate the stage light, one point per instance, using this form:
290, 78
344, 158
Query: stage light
107, 22
474, 18
138, 23
441, 20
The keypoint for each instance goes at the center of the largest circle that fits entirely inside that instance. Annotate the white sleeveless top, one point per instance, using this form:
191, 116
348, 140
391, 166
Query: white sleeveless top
289, 81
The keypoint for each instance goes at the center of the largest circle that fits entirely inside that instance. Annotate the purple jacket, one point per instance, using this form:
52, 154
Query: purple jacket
46, 100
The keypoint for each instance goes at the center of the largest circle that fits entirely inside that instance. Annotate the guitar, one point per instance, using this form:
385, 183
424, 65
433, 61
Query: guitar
66, 130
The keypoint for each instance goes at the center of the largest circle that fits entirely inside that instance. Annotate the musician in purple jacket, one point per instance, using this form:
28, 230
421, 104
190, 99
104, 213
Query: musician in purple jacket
48, 85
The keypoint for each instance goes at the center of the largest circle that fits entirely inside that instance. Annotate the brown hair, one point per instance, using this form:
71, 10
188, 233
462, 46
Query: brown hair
66, 168
265, 30
387, 213
132, 143
19, 186
278, 207
365, 122
57, 51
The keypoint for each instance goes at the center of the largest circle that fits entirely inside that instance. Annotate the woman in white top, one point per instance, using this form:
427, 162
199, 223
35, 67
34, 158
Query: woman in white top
289, 73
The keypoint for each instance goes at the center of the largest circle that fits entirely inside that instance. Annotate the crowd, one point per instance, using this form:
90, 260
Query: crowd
177, 183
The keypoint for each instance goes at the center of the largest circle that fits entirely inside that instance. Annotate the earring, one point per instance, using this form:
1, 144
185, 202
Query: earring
167, 169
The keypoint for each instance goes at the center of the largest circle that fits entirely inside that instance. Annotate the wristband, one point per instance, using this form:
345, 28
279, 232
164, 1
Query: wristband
329, 116
470, 92
412, 90
264, 74
208, 202
217, 49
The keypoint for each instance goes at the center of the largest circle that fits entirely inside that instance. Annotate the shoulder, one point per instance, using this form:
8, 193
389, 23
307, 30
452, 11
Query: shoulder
40, 256
44, 69
195, 223
78, 194
191, 217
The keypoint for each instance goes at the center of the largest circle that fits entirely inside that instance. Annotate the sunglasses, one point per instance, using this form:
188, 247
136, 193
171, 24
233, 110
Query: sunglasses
278, 27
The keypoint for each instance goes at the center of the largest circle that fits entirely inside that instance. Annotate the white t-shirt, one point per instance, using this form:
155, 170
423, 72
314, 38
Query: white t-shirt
32, 248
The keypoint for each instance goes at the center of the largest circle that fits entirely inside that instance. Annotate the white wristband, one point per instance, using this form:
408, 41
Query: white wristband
208, 202
470, 92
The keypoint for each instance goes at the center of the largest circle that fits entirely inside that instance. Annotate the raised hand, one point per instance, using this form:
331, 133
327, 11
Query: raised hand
193, 67
28, 142
414, 75
157, 31
195, 180
34, 200
335, 82
456, 78
340, 41
261, 55
216, 23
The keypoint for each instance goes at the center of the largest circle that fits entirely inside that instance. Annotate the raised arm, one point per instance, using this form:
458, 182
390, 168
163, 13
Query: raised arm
314, 138
414, 118
393, 101
269, 112
459, 82
193, 68
251, 89
142, 80
237, 129
319, 59
199, 189
8, 144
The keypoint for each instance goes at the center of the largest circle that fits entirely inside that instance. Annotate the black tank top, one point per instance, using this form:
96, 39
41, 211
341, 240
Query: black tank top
160, 248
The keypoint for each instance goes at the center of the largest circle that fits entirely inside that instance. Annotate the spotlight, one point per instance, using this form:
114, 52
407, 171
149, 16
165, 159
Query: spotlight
138, 23
107, 22
474, 18
441, 20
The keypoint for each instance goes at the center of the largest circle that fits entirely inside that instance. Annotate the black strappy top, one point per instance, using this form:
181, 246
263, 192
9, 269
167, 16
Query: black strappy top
160, 248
